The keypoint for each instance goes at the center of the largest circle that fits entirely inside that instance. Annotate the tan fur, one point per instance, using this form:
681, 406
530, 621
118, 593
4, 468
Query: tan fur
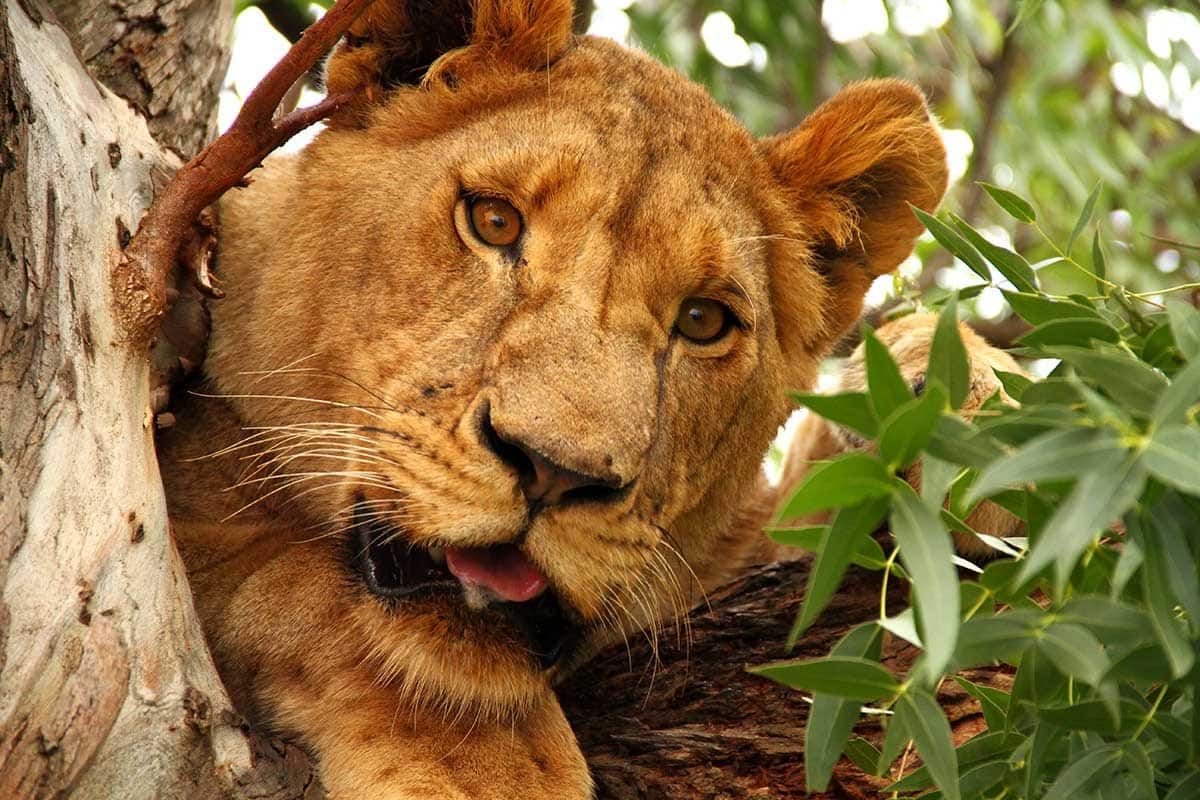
909, 340
363, 314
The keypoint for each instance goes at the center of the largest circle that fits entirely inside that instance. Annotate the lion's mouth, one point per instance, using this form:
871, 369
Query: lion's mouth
498, 578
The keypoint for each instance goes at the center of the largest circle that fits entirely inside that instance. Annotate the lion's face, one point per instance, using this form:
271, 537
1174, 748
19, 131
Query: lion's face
520, 337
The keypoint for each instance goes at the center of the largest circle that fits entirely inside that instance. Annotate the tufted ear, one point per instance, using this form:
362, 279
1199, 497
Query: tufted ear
848, 173
395, 42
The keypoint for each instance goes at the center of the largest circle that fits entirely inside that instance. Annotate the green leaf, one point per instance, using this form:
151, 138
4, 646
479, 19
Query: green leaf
983, 640
850, 678
845, 481
1164, 539
850, 410
862, 754
1124, 378
1038, 308
1056, 455
1077, 331
927, 725
1111, 621
1173, 456
936, 478
869, 554
887, 387
1085, 216
839, 543
1186, 789
1014, 383
993, 703
975, 750
1099, 265
1094, 767
956, 441
1006, 262
905, 433
1180, 396
1017, 207
948, 238
1075, 651
832, 719
1099, 498
928, 556
1185, 324
1088, 715
1139, 769
1162, 613
948, 364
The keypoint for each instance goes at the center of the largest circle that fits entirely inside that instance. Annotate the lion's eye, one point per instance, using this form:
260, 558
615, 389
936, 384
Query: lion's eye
703, 320
495, 221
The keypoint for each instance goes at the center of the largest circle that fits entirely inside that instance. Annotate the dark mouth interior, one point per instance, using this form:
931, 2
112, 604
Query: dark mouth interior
394, 569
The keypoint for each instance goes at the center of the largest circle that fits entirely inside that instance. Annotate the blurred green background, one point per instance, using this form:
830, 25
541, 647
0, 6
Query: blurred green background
1047, 98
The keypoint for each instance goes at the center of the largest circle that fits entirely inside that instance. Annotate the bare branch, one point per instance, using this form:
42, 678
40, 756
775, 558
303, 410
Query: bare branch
139, 280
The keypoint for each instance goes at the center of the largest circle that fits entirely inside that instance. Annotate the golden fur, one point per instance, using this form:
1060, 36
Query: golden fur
368, 340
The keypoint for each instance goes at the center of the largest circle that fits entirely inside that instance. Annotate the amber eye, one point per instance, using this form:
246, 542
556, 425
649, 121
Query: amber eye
495, 221
703, 320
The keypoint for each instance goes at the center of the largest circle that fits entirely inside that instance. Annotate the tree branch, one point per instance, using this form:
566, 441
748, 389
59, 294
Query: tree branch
140, 279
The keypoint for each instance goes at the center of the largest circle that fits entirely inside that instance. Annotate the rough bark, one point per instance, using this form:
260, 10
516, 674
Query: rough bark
699, 725
167, 59
106, 687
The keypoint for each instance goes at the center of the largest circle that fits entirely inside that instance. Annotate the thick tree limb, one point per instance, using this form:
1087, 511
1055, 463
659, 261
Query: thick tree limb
701, 726
140, 279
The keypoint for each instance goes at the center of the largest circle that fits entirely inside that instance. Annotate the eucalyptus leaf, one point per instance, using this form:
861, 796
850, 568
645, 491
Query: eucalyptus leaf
929, 729
843, 676
926, 552
832, 718
948, 363
1185, 324
851, 410
1098, 499
959, 247
1016, 206
1085, 216
839, 544
905, 433
845, 481
888, 390
1056, 455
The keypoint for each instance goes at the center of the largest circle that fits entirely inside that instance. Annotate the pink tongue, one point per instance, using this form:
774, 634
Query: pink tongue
504, 569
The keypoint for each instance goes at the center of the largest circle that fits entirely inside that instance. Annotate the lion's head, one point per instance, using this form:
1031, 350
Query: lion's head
519, 326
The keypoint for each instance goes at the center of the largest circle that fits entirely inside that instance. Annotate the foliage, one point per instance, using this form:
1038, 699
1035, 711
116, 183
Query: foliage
1098, 609
1029, 82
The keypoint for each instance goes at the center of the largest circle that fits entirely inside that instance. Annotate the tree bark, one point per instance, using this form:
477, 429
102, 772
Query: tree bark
699, 725
106, 686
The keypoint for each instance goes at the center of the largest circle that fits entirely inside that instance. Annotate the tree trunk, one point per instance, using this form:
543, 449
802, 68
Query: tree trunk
106, 687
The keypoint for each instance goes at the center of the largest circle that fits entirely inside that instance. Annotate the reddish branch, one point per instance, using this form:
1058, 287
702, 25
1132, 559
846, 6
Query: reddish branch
140, 279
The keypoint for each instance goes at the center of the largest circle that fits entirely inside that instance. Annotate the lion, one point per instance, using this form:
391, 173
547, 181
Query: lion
501, 353
909, 339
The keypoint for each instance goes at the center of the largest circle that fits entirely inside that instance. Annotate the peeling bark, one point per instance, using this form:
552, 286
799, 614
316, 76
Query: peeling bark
167, 59
106, 686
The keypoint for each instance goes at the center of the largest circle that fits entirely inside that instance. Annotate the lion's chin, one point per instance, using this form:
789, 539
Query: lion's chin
445, 639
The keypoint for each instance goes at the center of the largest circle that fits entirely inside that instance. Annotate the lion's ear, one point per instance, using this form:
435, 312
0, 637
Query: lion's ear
849, 173
395, 42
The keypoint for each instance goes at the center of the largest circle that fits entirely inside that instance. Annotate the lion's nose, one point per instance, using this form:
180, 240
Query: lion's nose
544, 481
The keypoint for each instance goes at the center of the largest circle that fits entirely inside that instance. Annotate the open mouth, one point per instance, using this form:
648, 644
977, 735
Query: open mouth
498, 577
